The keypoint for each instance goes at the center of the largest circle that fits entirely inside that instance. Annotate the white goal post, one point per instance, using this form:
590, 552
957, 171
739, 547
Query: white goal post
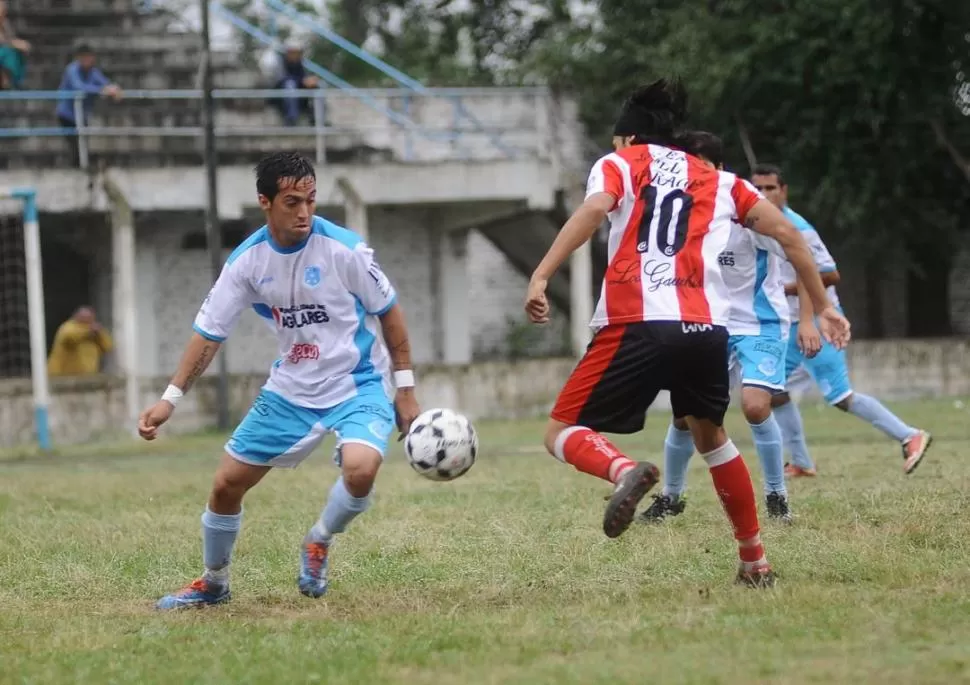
35, 311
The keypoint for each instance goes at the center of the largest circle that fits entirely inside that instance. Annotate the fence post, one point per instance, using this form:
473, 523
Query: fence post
319, 124
409, 134
79, 123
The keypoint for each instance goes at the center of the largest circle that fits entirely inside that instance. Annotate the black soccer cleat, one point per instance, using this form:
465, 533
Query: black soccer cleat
662, 507
778, 508
631, 488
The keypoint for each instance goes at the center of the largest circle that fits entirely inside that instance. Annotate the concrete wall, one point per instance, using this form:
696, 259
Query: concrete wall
85, 410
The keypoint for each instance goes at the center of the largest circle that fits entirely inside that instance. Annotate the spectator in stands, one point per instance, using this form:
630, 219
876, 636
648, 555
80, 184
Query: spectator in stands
13, 53
82, 75
79, 345
288, 73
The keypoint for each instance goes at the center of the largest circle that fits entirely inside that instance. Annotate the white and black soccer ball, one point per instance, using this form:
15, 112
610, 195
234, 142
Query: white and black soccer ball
441, 444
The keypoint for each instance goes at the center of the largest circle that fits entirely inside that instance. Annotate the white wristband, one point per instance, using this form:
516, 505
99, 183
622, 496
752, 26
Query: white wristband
404, 379
172, 395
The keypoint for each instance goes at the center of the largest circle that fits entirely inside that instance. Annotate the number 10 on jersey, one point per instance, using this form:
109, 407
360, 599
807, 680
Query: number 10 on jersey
670, 226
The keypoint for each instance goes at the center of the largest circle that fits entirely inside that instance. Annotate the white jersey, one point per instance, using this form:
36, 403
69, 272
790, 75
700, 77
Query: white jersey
823, 260
322, 298
751, 267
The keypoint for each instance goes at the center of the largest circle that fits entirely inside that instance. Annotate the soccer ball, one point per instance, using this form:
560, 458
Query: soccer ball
441, 444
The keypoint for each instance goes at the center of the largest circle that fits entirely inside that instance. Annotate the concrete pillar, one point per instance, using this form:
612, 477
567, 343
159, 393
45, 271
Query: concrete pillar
454, 309
123, 295
580, 297
355, 208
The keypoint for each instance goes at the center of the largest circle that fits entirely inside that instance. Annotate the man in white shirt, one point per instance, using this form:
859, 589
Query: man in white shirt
318, 285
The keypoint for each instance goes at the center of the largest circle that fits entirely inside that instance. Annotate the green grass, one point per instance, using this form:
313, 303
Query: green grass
503, 576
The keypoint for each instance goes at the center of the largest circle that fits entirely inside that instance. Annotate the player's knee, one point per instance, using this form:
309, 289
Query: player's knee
359, 464
756, 405
553, 429
681, 424
227, 493
844, 404
708, 436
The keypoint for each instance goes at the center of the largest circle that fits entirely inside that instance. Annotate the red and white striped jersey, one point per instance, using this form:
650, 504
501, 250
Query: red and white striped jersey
670, 221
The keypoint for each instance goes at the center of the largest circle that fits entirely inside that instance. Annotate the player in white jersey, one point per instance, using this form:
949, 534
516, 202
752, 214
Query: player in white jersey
828, 368
318, 286
661, 319
758, 326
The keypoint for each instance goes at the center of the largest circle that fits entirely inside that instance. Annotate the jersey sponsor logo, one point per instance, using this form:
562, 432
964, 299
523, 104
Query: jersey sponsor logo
767, 348
301, 351
696, 327
726, 258
383, 285
300, 315
658, 275
311, 276
264, 281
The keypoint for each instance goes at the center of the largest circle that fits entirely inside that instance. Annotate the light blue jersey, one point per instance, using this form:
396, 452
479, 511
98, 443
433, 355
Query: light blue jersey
823, 260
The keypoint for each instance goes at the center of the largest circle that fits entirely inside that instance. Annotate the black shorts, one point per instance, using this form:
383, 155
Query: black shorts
627, 365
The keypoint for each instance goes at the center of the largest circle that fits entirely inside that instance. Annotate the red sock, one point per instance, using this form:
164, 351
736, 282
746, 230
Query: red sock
591, 453
733, 485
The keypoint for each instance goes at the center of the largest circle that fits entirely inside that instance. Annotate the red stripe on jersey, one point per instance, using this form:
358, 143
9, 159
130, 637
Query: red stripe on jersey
745, 197
612, 182
623, 280
702, 184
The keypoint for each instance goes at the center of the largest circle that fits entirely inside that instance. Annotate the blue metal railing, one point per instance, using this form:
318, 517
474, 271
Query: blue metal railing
395, 74
446, 131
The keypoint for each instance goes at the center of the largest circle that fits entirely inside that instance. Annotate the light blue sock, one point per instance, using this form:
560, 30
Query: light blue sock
219, 533
341, 509
789, 420
767, 441
872, 410
678, 449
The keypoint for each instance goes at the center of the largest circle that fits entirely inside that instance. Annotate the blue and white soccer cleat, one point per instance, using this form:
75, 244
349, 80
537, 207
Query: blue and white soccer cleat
198, 593
313, 569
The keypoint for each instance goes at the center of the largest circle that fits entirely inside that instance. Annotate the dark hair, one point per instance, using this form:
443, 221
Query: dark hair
653, 113
769, 170
277, 166
702, 144
83, 49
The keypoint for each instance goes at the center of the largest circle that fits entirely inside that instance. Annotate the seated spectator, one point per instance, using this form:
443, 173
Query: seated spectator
79, 344
82, 75
13, 53
288, 73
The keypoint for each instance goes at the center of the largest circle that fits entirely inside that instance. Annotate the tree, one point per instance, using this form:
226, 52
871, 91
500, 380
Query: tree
857, 99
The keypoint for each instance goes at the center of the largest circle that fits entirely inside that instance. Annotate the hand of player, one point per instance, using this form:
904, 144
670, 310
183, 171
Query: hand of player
809, 339
835, 328
153, 417
536, 304
406, 410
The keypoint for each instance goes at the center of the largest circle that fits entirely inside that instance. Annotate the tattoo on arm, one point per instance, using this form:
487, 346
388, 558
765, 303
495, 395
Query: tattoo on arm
396, 338
200, 365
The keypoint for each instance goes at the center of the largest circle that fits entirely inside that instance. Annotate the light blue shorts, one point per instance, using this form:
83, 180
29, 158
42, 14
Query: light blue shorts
828, 368
279, 433
759, 359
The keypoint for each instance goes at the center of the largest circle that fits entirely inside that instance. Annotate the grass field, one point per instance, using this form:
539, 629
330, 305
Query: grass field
501, 577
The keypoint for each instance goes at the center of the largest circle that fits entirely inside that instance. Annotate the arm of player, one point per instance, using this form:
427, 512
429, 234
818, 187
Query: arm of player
604, 189
217, 316
395, 332
808, 338
766, 219
368, 282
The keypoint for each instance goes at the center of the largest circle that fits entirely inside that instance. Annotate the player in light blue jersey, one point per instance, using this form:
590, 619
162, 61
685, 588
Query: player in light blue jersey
319, 288
828, 368
759, 328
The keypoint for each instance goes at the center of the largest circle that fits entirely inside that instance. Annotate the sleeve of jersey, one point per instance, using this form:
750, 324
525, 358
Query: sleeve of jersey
368, 281
605, 177
222, 306
823, 258
745, 197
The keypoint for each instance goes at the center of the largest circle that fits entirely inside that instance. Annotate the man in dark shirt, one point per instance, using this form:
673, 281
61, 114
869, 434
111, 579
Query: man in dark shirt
293, 75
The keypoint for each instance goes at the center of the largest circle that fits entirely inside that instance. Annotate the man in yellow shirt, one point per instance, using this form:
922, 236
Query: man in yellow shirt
79, 345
